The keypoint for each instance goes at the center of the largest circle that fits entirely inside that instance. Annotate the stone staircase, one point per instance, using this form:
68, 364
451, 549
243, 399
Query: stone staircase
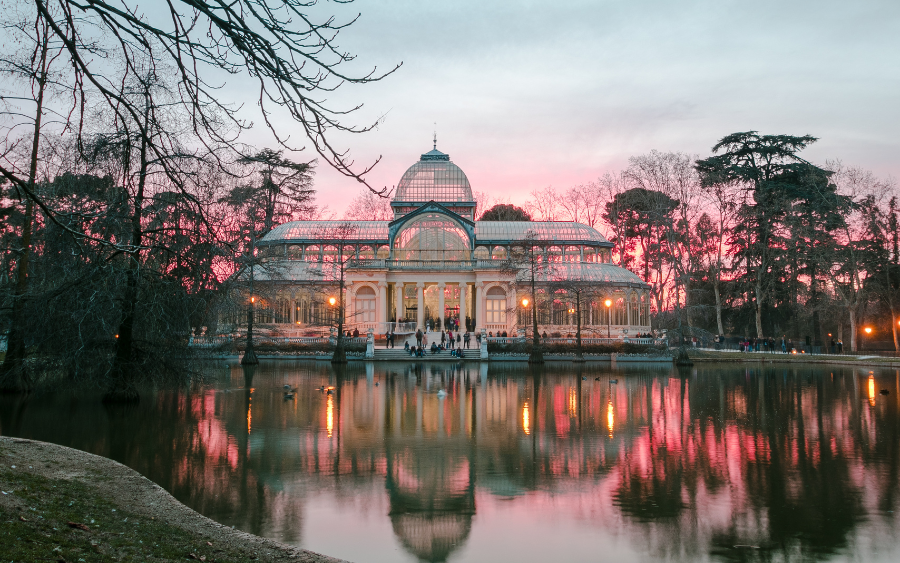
401, 355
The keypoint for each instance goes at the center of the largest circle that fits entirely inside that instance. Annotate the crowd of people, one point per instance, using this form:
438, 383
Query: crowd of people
784, 345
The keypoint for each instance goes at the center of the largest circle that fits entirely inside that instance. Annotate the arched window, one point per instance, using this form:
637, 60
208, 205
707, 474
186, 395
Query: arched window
313, 253
432, 236
366, 253
620, 315
365, 305
590, 254
634, 310
495, 307
573, 254
561, 308
295, 252
383, 252
645, 310
554, 254
499, 253
482, 253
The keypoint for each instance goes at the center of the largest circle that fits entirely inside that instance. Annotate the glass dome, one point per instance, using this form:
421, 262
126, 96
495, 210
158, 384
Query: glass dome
434, 178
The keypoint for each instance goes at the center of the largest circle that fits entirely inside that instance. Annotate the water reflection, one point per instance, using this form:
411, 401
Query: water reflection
458, 462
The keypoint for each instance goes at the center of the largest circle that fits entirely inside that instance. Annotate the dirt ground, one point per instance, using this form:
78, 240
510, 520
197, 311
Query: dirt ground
65, 505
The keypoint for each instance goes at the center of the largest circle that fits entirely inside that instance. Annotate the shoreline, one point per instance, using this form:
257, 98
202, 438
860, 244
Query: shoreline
63, 504
714, 356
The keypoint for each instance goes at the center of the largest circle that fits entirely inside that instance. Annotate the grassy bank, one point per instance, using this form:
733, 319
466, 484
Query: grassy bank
59, 504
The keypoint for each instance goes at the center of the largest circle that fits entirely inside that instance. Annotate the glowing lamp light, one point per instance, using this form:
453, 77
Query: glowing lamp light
332, 301
610, 417
526, 419
571, 311
872, 390
868, 330
253, 299
525, 302
608, 302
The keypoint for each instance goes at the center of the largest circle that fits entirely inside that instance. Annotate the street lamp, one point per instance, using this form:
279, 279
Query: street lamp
608, 304
868, 331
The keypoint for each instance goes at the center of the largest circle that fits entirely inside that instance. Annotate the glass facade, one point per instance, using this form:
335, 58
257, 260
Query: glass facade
432, 236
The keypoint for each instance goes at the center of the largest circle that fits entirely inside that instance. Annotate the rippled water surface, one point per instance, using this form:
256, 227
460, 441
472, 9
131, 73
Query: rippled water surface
399, 462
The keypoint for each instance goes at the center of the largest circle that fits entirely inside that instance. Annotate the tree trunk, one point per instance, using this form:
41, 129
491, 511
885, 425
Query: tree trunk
579, 353
853, 346
759, 304
122, 388
13, 374
340, 355
537, 355
894, 327
718, 293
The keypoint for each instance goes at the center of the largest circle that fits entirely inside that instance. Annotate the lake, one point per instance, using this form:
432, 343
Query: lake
497, 462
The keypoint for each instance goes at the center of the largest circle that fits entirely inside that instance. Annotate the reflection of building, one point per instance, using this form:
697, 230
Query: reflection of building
434, 262
432, 499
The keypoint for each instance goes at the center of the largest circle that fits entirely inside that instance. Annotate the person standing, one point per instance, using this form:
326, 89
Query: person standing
419, 337
466, 339
457, 339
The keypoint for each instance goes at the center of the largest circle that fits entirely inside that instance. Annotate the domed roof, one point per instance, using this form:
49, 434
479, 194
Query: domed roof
434, 178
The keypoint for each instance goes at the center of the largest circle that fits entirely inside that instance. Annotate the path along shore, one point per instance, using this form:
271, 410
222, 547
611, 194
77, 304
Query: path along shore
847, 359
61, 504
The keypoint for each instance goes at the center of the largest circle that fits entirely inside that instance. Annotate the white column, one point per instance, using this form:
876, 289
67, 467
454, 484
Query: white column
441, 287
381, 310
420, 305
462, 306
479, 307
349, 297
510, 309
398, 300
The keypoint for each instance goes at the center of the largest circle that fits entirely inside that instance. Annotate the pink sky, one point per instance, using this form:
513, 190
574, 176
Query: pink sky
530, 94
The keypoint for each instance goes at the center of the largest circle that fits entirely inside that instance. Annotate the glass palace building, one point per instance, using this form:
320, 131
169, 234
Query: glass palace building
434, 266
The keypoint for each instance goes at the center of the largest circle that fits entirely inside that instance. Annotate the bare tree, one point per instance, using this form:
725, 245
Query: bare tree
722, 199
854, 259
35, 68
339, 235
544, 204
368, 206
527, 264
608, 187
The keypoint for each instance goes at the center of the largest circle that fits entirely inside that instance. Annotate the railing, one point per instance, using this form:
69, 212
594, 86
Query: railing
380, 328
571, 340
214, 341
209, 341
382, 264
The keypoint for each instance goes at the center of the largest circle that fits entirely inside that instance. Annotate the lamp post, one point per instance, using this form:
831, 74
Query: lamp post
608, 304
868, 331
